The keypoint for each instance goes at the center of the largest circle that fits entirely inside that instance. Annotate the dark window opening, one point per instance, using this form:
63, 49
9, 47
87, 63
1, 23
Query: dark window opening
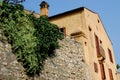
90, 29
85, 43
110, 55
100, 42
98, 21
63, 30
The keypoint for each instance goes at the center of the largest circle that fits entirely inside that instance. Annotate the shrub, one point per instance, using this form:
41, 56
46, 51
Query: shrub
33, 39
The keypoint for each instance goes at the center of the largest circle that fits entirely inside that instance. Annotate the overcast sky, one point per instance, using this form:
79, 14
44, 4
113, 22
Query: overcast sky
108, 10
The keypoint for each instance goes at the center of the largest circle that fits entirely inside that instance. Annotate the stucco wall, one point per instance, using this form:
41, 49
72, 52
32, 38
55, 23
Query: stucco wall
97, 28
90, 24
118, 74
72, 22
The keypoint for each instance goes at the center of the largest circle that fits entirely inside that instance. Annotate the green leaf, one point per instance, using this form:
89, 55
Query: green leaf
33, 39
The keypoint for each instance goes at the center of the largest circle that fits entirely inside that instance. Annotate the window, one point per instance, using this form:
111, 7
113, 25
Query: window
63, 30
110, 74
102, 71
110, 55
96, 67
85, 43
90, 29
100, 42
97, 45
98, 20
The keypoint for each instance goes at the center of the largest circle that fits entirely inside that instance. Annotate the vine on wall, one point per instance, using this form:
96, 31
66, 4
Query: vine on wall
33, 39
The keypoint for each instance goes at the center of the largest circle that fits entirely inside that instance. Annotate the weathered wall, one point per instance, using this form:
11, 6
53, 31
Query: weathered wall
10, 69
66, 65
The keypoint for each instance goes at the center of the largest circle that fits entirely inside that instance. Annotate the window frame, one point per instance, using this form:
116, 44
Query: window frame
63, 30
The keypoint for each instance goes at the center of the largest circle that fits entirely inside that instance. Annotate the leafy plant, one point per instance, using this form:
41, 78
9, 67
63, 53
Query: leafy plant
33, 39
13, 1
118, 66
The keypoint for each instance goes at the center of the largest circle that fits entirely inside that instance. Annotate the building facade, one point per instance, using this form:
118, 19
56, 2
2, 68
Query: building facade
86, 27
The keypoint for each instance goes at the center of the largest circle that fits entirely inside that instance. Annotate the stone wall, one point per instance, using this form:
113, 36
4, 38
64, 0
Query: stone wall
67, 64
10, 69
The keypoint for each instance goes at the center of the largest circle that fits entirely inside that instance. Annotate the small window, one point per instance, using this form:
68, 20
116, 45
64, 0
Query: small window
100, 42
85, 43
96, 67
110, 55
90, 29
98, 21
63, 30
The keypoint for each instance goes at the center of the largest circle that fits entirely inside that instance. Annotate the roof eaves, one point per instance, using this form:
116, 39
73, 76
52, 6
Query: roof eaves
70, 11
66, 12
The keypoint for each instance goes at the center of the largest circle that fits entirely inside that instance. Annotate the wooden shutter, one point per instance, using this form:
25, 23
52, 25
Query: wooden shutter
102, 71
110, 55
97, 45
110, 74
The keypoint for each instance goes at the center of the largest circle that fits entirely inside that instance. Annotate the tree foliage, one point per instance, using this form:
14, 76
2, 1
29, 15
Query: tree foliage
33, 39
13, 1
118, 66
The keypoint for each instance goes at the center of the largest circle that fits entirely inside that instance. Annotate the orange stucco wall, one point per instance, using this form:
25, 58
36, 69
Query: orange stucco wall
81, 21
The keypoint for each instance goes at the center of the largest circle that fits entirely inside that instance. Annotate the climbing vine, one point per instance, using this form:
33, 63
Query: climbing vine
33, 39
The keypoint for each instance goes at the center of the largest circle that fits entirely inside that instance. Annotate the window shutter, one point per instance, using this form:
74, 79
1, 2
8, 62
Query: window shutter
102, 72
110, 74
97, 45
110, 55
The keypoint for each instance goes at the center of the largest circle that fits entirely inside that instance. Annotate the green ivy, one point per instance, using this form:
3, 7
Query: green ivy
33, 39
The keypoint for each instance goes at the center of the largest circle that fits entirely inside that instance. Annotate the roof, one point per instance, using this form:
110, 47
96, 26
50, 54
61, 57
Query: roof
60, 14
70, 11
